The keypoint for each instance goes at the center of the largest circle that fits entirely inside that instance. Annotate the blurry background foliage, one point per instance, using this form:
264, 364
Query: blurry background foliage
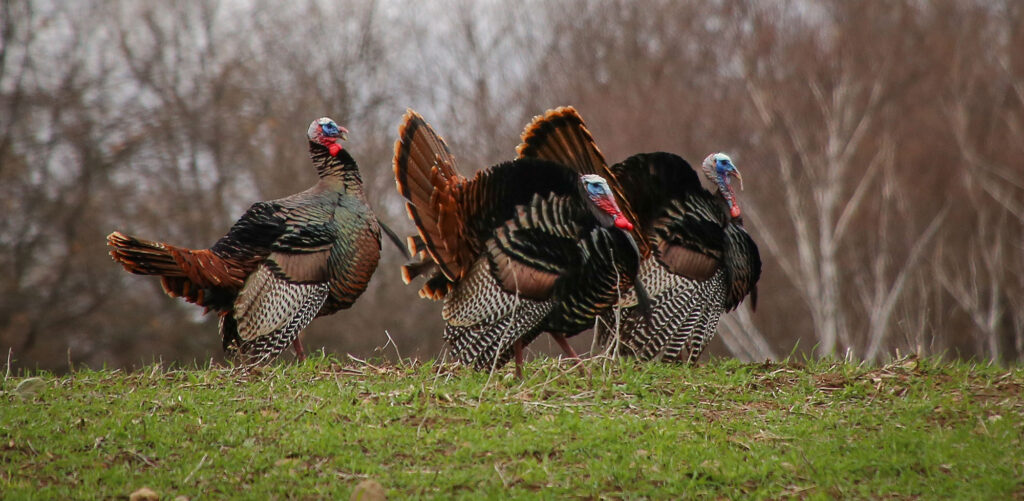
882, 145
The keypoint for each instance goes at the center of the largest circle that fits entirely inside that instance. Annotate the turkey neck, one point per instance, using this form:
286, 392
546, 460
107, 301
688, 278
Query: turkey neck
723, 204
342, 167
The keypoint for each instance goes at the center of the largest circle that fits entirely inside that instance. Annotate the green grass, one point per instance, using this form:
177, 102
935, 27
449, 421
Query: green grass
915, 428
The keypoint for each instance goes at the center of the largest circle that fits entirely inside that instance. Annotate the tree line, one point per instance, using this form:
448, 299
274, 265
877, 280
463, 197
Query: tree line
881, 145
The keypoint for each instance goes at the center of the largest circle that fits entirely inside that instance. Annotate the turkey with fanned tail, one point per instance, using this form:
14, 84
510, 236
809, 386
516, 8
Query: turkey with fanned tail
285, 262
698, 260
521, 245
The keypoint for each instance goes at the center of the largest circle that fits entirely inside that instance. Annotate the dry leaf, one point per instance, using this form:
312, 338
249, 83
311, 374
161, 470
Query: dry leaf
144, 494
368, 490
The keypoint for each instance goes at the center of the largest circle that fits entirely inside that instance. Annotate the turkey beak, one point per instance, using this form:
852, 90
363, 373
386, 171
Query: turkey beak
335, 147
736, 174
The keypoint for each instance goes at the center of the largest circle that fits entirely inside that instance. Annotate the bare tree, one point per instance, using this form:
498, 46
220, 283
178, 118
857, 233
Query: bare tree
985, 110
880, 143
828, 127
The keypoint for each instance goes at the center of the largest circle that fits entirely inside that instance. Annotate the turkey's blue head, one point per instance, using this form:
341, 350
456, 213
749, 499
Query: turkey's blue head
600, 195
327, 133
718, 167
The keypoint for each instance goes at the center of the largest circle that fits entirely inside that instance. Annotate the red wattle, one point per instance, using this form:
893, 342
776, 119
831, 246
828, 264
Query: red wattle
734, 211
623, 223
334, 149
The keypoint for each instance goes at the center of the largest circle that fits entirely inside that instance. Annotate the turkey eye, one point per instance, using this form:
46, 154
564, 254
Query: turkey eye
329, 128
595, 189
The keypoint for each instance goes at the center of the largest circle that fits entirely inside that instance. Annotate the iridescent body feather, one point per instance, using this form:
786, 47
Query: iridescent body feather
283, 263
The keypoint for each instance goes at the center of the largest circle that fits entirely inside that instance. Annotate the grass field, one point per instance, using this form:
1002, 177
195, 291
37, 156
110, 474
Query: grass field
911, 429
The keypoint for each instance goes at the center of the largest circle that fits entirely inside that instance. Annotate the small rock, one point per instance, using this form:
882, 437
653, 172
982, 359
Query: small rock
144, 494
368, 490
30, 387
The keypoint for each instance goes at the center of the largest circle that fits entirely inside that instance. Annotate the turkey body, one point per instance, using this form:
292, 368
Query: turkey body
510, 251
702, 262
283, 263
698, 261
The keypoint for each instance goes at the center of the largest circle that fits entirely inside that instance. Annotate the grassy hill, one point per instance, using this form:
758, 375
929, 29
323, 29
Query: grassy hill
617, 429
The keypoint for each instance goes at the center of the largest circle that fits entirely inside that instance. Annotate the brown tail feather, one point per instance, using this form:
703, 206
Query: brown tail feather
144, 257
184, 272
425, 175
437, 286
416, 245
561, 136
185, 289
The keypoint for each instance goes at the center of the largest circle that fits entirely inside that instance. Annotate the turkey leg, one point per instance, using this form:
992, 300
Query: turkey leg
564, 343
300, 353
569, 352
518, 348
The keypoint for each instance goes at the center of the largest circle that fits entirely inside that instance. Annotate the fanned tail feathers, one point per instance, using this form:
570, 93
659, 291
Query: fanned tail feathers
561, 136
144, 257
425, 175
438, 285
185, 273
421, 262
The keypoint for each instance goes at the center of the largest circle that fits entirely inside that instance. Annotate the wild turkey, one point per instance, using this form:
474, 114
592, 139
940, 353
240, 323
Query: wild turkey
560, 136
521, 245
699, 261
283, 263
703, 262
